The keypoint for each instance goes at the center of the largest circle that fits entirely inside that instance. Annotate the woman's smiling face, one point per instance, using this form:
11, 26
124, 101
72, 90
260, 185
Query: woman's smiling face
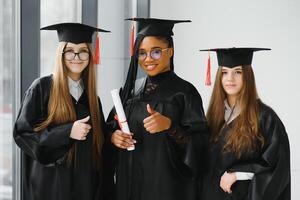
77, 64
154, 55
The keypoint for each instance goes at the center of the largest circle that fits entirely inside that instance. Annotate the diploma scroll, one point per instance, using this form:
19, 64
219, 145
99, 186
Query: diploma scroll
121, 114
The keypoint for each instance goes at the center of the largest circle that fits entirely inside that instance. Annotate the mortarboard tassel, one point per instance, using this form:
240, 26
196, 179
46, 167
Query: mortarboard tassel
132, 40
97, 50
208, 76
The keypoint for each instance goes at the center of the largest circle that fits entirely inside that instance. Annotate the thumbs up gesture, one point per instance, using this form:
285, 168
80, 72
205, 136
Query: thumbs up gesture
156, 122
80, 129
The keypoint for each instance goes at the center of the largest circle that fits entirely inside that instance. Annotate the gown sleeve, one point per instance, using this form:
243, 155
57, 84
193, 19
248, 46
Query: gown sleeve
188, 139
272, 169
109, 158
107, 188
47, 146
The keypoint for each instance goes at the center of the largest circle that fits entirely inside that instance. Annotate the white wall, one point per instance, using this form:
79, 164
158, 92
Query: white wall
256, 23
112, 70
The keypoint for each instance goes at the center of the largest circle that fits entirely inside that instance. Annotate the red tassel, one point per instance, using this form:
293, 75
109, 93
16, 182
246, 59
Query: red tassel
97, 51
208, 76
132, 40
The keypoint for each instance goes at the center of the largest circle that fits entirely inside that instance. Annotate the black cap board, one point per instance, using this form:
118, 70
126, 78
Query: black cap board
232, 57
155, 27
74, 32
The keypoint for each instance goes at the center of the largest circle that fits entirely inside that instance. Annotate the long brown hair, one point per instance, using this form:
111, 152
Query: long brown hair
245, 134
60, 106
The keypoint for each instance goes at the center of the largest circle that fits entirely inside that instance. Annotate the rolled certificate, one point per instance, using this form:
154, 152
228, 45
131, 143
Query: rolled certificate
121, 114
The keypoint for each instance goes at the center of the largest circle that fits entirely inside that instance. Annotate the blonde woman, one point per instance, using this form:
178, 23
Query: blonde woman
60, 123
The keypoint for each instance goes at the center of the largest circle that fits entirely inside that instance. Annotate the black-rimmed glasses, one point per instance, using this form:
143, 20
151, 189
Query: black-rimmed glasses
82, 55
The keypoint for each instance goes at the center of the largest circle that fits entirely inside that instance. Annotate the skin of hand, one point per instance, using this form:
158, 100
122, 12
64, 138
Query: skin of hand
156, 122
80, 129
122, 140
227, 180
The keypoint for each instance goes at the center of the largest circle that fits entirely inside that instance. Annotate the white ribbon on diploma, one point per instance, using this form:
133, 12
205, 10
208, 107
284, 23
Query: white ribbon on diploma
121, 114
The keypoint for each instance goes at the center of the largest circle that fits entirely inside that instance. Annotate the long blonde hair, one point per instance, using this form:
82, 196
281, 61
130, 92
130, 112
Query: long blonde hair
245, 134
60, 106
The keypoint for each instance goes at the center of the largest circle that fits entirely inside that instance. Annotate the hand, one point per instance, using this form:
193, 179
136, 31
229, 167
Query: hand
80, 129
156, 122
227, 180
122, 140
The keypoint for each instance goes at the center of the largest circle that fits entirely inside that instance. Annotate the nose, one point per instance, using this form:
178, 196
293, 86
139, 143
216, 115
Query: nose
76, 56
230, 76
148, 57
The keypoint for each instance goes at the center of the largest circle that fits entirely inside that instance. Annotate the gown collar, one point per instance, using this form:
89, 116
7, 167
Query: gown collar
160, 77
231, 113
76, 88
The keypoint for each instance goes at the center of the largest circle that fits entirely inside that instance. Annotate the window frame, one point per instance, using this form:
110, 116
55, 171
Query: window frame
27, 58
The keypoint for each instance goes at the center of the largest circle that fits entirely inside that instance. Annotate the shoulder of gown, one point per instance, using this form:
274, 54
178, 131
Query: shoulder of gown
50, 144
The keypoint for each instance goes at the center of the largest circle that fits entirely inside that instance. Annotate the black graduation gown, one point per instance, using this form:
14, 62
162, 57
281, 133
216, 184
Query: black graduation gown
45, 172
165, 165
271, 165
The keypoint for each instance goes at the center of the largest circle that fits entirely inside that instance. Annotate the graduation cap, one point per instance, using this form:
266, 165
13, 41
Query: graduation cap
74, 32
156, 27
153, 27
77, 33
231, 57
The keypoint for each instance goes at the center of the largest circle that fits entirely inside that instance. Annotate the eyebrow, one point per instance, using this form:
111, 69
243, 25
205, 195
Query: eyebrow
154, 48
81, 48
235, 69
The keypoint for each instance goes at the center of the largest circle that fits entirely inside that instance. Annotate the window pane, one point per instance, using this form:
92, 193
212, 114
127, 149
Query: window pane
6, 97
52, 12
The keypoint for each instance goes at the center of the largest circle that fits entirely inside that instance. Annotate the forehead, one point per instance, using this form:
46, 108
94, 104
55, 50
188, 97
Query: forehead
232, 68
152, 41
78, 46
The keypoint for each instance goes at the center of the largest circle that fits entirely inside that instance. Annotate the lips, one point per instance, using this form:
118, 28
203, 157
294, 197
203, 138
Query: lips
231, 85
150, 67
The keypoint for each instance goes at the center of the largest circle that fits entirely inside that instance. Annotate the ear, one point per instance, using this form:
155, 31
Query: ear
170, 52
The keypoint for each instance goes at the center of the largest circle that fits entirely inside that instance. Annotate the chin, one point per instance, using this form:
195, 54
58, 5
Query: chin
76, 71
230, 92
150, 73
153, 73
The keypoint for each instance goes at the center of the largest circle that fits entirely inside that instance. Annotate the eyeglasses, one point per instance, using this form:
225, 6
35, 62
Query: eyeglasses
154, 54
82, 55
